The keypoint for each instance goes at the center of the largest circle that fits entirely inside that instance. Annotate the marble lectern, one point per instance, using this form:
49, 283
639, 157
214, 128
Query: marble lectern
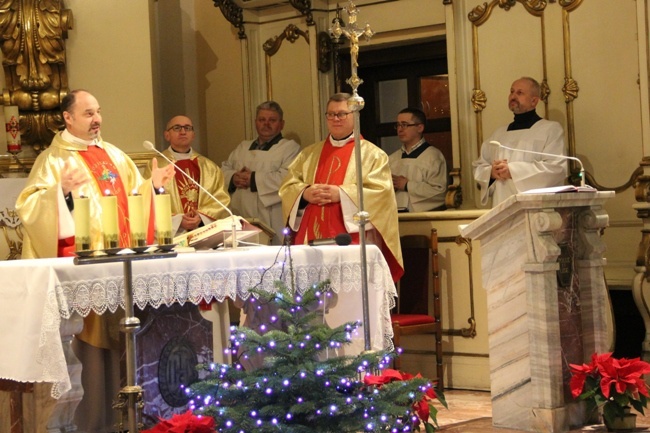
542, 268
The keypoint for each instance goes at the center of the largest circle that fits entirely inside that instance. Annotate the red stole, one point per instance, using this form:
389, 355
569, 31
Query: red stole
109, 182
323, 222
188, 191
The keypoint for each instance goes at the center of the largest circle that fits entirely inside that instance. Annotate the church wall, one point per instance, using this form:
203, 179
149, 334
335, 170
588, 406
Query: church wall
222, 81
109, 54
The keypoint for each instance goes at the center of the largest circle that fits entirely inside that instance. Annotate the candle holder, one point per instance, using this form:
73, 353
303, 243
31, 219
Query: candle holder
130, 399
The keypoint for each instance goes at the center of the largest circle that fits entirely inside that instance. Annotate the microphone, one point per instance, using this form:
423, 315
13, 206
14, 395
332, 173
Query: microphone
340, 239
149, 146
582, 168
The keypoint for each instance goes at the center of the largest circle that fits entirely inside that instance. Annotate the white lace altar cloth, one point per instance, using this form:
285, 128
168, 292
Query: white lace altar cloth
36, 294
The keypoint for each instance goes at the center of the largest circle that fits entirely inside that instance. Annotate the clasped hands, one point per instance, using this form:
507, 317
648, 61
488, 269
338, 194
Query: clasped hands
399, 183
242, 178
321, 194
500, 170
191, 220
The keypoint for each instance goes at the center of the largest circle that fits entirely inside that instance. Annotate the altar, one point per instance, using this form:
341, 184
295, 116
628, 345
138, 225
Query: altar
41, 296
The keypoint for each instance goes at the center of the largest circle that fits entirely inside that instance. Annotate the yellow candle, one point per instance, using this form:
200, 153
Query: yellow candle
163, 208
136, 221
82, 223
109, 221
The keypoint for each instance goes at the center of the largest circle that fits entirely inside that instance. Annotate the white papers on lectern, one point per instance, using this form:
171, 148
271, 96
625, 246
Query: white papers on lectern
562, 188
216, 233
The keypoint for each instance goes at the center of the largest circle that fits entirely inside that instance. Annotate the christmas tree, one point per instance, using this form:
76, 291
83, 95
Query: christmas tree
302, 385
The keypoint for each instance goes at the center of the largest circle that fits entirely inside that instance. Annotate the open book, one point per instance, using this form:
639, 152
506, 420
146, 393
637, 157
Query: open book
217, 233
562, 188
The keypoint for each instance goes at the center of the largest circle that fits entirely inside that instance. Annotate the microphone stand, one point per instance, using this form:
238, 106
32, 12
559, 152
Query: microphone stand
573, 158
149, 145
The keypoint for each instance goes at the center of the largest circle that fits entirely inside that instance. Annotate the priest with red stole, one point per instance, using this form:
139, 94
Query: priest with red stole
319, 193
191, 206
79, 163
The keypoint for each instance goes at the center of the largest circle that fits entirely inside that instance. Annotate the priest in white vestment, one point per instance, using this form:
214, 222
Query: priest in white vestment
500, 172
79, 163
320, 193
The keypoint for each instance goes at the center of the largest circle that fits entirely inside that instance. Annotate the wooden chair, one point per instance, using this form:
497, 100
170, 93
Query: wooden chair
16, 391
420, 253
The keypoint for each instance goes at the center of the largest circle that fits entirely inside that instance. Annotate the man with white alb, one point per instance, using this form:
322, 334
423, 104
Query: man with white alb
419, 169
254, 171
501, 172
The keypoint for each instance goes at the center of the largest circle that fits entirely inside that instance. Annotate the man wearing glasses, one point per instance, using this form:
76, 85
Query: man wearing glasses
255, 169
419, 169
319, 194
191, 207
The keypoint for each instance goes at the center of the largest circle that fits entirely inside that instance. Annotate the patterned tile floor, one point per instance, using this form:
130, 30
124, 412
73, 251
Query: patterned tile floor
471, 412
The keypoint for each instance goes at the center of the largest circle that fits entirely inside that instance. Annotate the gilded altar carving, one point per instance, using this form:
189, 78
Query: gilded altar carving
33, 49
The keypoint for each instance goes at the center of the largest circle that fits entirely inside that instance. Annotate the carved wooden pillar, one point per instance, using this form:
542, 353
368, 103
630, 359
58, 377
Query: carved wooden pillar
33, 59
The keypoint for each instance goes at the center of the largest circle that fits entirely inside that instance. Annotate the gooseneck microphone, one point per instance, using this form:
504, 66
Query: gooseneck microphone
149, 146
340, 239
582, 168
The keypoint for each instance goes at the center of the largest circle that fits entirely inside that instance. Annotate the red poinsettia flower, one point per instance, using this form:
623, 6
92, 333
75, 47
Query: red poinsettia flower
431, 393
422, 409
185, 423
579, 376
388, 375
624, 374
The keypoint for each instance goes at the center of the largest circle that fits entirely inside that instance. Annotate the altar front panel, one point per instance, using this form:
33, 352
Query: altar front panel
45, 290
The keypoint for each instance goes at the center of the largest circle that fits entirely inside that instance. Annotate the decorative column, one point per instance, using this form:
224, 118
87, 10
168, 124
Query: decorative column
641, 283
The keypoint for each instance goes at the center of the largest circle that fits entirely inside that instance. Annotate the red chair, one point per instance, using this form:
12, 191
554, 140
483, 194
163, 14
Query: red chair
420, 254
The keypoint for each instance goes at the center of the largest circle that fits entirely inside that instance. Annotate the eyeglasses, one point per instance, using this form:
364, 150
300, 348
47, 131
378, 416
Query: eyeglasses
405, 125
177, 128
342, 115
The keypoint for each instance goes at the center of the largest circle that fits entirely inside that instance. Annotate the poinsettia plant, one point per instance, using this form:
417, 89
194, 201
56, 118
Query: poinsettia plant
185, 423
424, 409
611, 384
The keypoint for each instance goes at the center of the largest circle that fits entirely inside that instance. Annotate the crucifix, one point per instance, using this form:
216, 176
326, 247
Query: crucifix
355, 104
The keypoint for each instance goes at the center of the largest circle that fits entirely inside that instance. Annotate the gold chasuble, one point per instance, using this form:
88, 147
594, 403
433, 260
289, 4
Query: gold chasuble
38, 208
320, 162
185, 195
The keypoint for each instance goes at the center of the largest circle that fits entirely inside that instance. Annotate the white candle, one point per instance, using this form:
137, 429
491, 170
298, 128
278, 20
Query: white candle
82, 223
163, 208
12, 127
110, 222
136, 221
